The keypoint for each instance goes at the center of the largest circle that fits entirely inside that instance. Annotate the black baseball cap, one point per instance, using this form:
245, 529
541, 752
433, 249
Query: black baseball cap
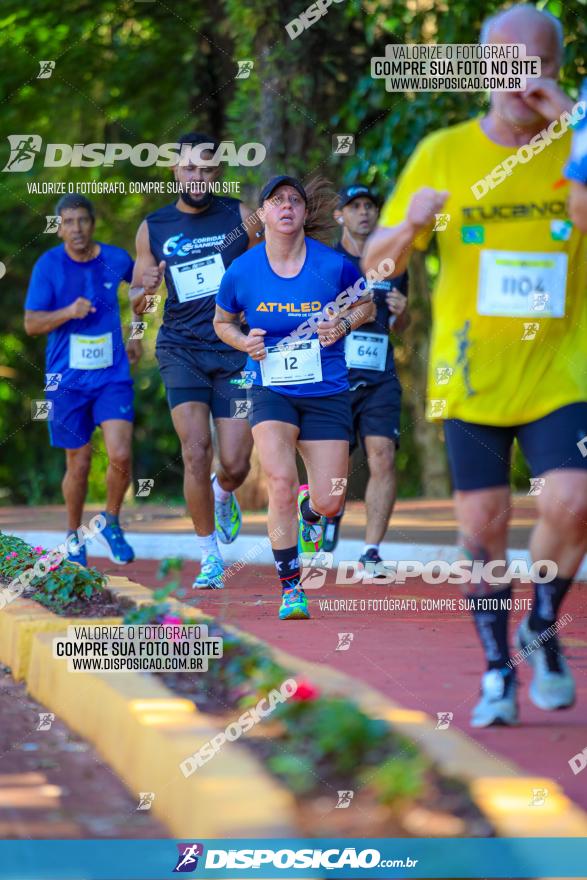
355, 191
282, 180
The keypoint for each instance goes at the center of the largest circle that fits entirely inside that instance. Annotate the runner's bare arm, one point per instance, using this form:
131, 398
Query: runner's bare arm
348, 319
362, 312
396, 242
37, 323
147, 275
252, 225
578, 205
227, 326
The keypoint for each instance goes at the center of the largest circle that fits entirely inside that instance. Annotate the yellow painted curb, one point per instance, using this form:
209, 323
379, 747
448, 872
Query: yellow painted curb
144, 732
501, 790
23, 619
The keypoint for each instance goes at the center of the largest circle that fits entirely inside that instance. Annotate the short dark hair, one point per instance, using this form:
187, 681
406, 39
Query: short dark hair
197, 137
75, 200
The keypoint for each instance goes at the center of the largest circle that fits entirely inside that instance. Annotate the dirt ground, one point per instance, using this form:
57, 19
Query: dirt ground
53, 785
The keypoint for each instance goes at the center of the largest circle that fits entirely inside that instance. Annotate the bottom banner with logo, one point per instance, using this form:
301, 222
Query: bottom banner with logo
366, 858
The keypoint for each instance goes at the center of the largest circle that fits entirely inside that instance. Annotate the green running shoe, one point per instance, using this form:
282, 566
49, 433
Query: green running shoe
310, 535
227, 518
294, 605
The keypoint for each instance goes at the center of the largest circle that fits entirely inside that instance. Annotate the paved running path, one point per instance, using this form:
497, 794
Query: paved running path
422, 660
424, 521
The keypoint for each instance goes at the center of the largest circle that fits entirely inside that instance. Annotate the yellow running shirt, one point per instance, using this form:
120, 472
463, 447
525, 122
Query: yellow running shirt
509, 333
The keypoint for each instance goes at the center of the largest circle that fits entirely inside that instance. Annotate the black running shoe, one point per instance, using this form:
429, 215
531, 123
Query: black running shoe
331, 532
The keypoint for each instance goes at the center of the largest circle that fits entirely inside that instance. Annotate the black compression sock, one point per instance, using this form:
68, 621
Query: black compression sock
287, 564
492, 626
547, 601
309, 515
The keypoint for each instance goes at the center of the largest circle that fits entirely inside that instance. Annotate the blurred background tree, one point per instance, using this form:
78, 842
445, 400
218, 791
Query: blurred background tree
138, 72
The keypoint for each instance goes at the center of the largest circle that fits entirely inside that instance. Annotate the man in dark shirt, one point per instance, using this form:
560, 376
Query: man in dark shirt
375, 388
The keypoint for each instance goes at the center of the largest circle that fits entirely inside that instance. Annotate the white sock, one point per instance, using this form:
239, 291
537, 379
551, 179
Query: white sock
208, 544
368, 547
220, 494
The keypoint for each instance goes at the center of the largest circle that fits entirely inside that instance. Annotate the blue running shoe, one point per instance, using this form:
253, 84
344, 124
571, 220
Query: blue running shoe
119, 550
228, 518
77, 552
211, 574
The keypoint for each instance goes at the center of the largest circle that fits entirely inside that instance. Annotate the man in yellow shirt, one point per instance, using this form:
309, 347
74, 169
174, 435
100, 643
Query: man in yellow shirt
509, 341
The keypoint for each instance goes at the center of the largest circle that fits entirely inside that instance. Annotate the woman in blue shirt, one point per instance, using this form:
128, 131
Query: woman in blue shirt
300, 298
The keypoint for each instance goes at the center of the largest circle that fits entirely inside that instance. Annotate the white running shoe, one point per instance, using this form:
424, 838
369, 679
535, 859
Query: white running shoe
553, 685
498, 704
211, 574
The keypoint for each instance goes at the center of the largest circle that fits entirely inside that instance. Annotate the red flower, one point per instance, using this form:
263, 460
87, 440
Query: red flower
305, 691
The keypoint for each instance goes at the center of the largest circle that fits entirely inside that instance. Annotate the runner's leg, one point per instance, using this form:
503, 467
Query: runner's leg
561, 531
327, 463
191, 421
234, 452
276, 444
75, 483
483, 518
235, 443
560, 535
118, 442
381, 487
192, 424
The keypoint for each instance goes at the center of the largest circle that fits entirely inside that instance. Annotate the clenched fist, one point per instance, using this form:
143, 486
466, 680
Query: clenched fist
424, 205
81, 307
255, 346
153, 276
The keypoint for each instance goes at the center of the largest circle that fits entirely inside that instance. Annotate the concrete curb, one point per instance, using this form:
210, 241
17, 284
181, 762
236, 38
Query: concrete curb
143, 731
501, 790
21, 621
255, 549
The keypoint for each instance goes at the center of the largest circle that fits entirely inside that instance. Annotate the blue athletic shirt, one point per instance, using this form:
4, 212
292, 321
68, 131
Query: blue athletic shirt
280, 305
56, 282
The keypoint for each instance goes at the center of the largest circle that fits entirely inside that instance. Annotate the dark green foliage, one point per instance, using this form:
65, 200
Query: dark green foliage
139, 72
67, 582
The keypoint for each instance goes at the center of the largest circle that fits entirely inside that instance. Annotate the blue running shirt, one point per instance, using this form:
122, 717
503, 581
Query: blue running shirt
56, 282
280, 305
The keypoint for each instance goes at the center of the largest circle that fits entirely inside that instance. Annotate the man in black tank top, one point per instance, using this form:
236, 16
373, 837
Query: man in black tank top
191, 243
375, 388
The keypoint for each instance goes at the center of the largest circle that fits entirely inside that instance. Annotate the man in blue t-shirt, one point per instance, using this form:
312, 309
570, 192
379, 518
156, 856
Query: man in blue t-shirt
375, 388
73, 297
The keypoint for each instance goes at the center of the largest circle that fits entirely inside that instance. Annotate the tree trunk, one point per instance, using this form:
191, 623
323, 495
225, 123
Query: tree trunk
428, 436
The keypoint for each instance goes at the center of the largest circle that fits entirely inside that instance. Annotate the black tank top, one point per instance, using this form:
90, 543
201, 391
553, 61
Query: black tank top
192, 247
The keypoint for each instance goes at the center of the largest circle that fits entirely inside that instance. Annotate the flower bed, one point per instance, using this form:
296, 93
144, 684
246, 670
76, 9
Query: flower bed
62, 586
317, 745
320, 745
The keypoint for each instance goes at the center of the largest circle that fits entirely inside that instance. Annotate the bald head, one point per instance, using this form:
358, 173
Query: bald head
522, 22
542, 35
